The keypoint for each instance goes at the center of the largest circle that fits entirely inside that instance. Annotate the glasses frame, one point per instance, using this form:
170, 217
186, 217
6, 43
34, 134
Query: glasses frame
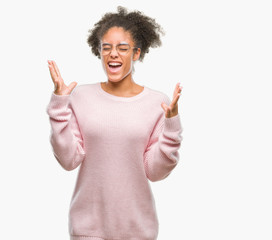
116, 48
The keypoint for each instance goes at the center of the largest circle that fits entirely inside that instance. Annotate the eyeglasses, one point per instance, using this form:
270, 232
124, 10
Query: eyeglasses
121, 48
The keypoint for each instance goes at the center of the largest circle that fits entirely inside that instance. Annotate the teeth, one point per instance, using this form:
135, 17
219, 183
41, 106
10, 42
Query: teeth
114, 64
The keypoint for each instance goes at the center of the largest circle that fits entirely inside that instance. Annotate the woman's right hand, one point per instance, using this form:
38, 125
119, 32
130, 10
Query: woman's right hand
60, 87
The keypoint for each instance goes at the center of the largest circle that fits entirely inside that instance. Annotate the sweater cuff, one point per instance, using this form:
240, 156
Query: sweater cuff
59, 101
172, 124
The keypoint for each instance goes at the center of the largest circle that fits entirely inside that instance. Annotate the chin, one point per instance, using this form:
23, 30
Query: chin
114, 78
117, 77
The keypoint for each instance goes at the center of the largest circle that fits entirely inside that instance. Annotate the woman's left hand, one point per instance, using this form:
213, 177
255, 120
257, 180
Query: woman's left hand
172, 109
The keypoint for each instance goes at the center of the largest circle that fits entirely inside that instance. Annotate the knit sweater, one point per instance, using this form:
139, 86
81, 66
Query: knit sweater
120, 144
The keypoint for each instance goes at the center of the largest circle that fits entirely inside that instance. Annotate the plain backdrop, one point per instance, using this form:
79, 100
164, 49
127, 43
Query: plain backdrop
220, 51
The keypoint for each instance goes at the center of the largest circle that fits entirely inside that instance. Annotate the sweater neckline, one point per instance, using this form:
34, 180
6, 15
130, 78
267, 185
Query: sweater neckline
118, 98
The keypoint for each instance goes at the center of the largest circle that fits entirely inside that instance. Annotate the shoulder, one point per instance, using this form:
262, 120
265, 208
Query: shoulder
159, 95
84, 89
83, 93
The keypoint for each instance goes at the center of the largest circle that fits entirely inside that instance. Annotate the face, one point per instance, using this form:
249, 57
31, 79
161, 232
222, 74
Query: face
118, 66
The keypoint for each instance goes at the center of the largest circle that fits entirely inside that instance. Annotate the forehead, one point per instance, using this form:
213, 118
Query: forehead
116, 35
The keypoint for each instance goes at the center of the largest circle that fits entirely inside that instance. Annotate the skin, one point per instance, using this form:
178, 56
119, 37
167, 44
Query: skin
119, 83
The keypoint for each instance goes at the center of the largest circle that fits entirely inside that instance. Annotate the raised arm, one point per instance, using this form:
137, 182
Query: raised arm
161, 154
65, 138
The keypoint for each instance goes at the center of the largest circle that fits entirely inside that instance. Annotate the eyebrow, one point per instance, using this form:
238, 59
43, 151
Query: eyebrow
121, 43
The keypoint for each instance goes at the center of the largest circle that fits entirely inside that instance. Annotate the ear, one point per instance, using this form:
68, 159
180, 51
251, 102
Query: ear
136, 54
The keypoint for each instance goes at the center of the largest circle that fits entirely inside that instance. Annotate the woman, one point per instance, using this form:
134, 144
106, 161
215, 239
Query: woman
120, 133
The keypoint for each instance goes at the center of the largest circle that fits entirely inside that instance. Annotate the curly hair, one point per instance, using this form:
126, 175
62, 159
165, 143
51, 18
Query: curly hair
143, 29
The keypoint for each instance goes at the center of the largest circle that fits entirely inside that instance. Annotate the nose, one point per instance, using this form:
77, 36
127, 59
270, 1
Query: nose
114, 52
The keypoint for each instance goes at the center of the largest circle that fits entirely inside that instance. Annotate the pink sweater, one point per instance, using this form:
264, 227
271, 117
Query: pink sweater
120, 143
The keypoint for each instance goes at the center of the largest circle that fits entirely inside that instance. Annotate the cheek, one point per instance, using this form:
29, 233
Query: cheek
129, 62
103, 64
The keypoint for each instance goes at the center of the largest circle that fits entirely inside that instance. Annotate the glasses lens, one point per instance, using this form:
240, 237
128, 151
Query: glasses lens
106, 49
123, 49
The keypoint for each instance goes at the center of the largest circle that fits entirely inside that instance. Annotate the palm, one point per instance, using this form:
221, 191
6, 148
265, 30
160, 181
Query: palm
172, 109
60, 87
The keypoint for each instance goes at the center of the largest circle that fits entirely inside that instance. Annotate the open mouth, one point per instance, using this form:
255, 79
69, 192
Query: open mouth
114, 66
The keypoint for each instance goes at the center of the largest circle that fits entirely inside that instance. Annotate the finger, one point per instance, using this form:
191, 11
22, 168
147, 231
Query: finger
175, 100
164, 106
166, 109
177, 90
52, 73
56, 68
72, 86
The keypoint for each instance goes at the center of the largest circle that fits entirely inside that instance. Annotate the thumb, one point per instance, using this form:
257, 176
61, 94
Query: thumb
164, 106
166, 109
72, 86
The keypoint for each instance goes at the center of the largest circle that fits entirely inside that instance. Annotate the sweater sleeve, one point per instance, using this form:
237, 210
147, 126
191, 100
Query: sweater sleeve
161, 155
65, 137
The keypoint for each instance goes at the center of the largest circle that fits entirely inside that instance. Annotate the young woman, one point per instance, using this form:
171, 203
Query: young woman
120, 133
